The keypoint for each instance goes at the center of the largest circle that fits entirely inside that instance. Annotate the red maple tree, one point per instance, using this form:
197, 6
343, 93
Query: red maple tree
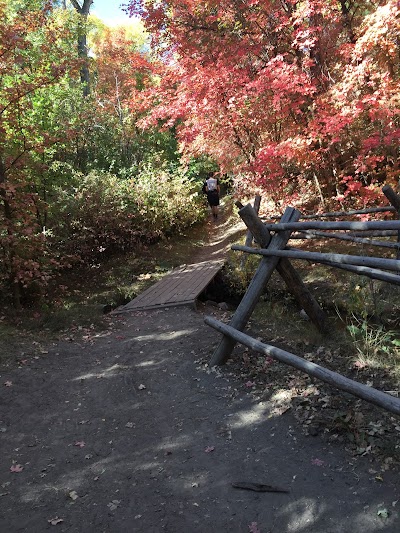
299, 99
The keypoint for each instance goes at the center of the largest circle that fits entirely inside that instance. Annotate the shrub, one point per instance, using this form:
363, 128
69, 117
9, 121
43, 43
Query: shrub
105, 214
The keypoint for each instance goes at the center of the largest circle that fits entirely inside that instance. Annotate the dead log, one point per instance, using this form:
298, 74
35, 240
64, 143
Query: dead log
379, 398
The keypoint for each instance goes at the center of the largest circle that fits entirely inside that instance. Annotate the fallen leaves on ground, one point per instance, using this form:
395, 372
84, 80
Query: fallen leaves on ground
113, 505
253, 528
16, 468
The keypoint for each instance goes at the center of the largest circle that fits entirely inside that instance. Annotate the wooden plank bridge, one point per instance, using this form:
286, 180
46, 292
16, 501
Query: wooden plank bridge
181, 287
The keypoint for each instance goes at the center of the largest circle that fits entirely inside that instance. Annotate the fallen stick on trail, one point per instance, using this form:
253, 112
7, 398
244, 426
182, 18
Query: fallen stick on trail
257, 487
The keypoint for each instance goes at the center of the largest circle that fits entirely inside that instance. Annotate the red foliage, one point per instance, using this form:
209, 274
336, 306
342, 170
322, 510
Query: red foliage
281, 92
27, 65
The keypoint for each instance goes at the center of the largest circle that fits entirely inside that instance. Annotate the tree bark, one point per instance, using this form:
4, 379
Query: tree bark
254, 290
8, 248
312, 234
327, 226
83, 10
318, 257
394, 199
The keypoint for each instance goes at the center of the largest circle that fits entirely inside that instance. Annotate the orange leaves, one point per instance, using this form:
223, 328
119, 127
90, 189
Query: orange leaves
122, 71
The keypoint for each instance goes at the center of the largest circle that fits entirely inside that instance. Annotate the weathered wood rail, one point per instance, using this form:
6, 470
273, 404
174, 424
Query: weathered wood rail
275, 254
379, 398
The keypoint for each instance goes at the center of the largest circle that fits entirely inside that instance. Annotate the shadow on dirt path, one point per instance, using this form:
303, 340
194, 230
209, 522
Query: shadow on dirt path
129, 430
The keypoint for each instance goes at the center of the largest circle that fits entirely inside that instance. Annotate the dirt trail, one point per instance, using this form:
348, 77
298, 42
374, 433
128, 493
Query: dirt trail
219, 236
128, 430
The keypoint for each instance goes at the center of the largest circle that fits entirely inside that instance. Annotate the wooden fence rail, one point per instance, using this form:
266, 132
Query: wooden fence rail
312, 234
275, 254
348, 225
318, 257
351, 212
379, 398
255, 289
336, 214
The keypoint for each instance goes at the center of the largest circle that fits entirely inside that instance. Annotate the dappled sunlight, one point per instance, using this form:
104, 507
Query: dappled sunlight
150, 466
152, 363
281, 401
71, 481
146, 364
171, 335
167, 440
256, 415
304, 513
281, 396
110, 372
226, 236
173, 443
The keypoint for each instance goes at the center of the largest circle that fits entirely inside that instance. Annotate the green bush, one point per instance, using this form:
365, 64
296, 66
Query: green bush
106, 214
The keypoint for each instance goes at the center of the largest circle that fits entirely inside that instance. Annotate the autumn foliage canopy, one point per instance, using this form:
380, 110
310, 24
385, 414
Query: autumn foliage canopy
105, 133
298, 98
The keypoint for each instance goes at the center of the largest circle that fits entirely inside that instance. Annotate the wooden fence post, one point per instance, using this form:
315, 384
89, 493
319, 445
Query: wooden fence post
249, 235
285, 268
394, 199
256, 287
256, 207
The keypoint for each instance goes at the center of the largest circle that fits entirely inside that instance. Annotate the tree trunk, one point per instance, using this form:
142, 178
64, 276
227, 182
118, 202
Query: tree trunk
82, 43
8, 248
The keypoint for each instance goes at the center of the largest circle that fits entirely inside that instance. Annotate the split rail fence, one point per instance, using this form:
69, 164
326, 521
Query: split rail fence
276, 255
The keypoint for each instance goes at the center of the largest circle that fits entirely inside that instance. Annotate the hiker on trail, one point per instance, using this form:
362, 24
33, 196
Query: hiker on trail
212, 190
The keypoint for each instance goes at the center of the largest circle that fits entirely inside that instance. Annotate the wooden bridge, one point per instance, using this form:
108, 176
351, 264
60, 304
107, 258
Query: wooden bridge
181, 287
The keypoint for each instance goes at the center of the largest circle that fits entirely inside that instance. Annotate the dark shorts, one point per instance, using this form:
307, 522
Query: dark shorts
213, 198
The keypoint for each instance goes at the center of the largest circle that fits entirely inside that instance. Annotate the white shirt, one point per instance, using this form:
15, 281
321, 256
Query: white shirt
212, 184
